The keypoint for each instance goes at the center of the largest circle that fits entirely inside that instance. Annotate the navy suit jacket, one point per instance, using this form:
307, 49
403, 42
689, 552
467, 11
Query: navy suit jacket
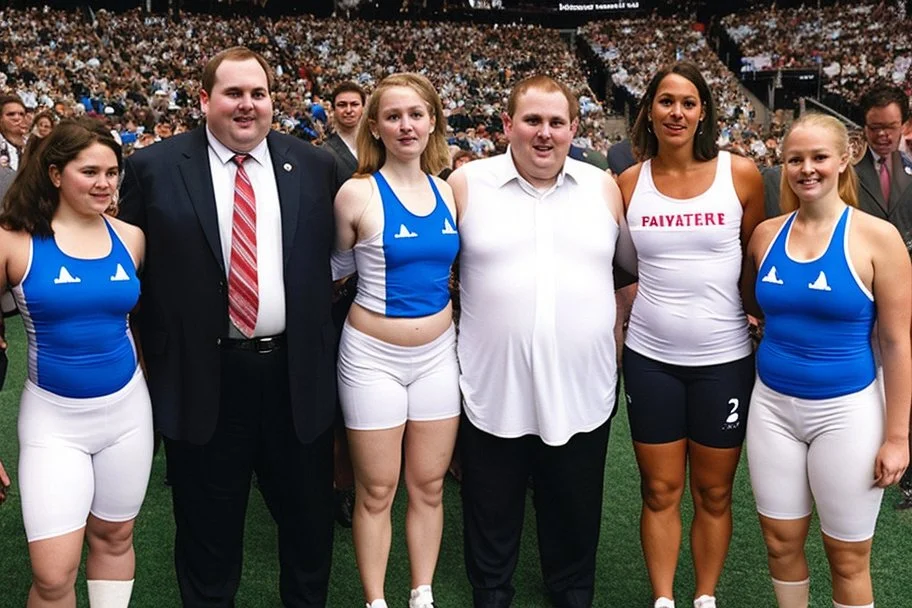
167, 191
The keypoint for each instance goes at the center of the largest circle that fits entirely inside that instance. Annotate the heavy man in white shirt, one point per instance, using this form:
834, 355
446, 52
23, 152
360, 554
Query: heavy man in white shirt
540, 234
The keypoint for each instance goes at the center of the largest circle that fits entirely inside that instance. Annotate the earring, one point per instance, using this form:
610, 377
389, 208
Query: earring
376, 135
649, 126
700, 130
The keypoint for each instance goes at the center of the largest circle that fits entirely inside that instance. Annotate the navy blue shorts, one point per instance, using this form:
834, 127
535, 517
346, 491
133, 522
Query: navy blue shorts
707, 404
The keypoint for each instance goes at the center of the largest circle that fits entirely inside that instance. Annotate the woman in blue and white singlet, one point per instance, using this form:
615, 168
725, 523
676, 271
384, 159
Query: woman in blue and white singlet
398, 374
85, 419
823, 431
688, 362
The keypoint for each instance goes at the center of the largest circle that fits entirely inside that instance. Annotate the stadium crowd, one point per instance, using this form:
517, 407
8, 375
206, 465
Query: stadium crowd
141, 72
853, 44
631, 62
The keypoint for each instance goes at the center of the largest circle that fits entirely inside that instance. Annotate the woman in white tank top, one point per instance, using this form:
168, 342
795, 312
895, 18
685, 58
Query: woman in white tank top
688, 365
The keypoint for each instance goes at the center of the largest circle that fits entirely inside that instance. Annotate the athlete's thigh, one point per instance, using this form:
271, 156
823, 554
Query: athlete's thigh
776, 457
841, 466
55, 472
656, 400
122, 469
718, 397
371, 390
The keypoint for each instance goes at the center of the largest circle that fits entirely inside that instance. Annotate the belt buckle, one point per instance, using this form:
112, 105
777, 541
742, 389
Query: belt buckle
265, 346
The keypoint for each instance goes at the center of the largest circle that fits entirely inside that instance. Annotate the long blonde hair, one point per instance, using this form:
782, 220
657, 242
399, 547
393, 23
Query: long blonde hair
371, 151
848, 181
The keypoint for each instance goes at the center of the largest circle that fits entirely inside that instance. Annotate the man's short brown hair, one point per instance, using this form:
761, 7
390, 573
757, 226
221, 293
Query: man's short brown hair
235, 53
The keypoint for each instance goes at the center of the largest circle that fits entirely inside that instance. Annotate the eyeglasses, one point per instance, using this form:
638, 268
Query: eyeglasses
891, 128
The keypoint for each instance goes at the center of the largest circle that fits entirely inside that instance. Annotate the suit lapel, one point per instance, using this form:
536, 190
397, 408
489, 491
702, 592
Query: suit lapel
343, 153
900, 179
288, 181
194, 169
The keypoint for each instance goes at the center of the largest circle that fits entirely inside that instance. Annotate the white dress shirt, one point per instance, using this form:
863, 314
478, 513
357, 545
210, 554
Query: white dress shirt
270, 274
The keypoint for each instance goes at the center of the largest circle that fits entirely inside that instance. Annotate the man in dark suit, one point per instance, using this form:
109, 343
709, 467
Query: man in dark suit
347, 101
236, 332
348, 105
884, 175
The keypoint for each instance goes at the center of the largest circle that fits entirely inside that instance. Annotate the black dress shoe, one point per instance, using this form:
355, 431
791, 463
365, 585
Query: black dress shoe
345, 506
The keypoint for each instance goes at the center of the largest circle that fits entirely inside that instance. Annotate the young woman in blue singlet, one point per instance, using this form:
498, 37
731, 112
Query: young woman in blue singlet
398, 375
824, 431
85, 419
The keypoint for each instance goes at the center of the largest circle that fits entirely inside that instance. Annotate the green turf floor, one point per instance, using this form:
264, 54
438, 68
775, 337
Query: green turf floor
621, 578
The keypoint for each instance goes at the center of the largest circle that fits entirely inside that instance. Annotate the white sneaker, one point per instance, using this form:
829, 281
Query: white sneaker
421, 597
664, 602
705, 601
378, 603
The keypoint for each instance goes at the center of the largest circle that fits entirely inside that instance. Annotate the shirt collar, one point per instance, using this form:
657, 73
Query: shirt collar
509, 171
225, 154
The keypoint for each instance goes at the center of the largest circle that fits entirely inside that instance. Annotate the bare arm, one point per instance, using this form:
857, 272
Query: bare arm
892, 286
749, 187
5, 245
460, 187
625, 256
756, 248
352, 200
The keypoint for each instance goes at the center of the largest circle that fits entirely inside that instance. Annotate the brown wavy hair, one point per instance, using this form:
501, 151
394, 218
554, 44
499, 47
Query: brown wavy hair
32, 199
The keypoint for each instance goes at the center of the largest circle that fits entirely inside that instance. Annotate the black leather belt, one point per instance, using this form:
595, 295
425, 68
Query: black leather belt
254, 345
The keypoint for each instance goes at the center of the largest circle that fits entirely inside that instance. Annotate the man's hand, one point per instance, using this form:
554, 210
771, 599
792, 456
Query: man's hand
4, 483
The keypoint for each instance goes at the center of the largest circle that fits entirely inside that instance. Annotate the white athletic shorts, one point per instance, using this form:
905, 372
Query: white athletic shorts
804, 452
81, 456
382, 385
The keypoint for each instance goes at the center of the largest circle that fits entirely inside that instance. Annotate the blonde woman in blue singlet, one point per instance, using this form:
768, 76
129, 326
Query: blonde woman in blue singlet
398, 374
820, 433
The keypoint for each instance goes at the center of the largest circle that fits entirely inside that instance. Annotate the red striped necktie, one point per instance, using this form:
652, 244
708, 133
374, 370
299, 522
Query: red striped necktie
243, 292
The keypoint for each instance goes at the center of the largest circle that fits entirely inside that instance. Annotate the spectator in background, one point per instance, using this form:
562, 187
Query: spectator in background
347, 107
13, 130
347, 100
884, 175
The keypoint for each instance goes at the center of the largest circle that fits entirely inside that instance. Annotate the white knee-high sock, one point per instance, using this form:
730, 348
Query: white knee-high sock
792, 594
110, 594
838, 605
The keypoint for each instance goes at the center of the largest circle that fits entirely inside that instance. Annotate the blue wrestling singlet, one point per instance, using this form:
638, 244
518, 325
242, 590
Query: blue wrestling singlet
75, 315
819, 318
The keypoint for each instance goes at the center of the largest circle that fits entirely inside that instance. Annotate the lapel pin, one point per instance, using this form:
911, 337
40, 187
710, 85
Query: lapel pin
908, 170
287, 166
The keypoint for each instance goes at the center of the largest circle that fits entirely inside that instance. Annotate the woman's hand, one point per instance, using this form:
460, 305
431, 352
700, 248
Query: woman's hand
891, 462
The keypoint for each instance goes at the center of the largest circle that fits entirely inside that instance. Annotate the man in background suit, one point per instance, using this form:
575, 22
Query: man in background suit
236, 332
347, 101
347, 104
884, 175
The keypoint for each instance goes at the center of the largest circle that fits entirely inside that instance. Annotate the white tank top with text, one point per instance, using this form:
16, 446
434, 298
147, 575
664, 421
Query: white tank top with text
688, 308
